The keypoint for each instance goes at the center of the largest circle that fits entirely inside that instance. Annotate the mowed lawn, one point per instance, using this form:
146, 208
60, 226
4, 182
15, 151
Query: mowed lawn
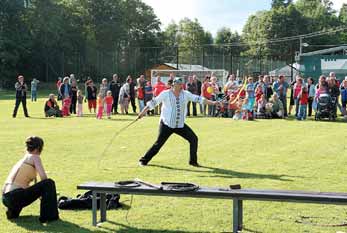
263, 154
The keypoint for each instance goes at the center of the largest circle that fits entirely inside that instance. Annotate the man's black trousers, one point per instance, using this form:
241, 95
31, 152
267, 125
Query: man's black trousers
164, 133
22, 100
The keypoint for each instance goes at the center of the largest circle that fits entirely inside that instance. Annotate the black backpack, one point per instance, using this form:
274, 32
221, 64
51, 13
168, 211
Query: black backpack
84, 201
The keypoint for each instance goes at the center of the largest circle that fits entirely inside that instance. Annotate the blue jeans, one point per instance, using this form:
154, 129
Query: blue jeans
302, 112
33, 95
141, 104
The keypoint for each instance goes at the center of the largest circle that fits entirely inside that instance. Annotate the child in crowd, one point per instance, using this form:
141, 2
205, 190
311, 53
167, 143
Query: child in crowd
233, 105
100, 103
245, 109
261, 103
303, 101
79, 103
66, 106
149, 95
109, 103
297, 90
250, 89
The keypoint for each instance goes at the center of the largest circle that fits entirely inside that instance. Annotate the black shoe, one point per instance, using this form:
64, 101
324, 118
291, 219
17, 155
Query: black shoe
10, 214
194, 164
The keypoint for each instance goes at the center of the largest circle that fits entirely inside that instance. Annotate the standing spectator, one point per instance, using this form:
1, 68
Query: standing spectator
311, 94
103, 88
204, 93
250, 89
124, 95
267, 87
21, 96
34, 89
280, 87
115, 86
79, 103
91, 96
72, 78
109, 104
343, 90
158, 87
58, 84
192, 88
86, 86
297, 90
74, 90
100, 102
215, 92
291, 98
303, 101
140, 88
132, 93
334, 91
65, 88
149, 96
332, 75
198, 85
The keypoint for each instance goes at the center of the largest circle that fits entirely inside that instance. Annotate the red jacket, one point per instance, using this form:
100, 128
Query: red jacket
304, 98
158, 88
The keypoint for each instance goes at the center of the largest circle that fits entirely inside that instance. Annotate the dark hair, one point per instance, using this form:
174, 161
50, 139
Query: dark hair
310, 78
33, 143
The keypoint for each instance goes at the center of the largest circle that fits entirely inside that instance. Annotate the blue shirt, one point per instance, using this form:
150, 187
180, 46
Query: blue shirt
250, 90
283, 91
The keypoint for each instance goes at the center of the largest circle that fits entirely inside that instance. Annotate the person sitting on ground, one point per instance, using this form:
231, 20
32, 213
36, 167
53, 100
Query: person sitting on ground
261, 104
17, 194
51, 107
277, 107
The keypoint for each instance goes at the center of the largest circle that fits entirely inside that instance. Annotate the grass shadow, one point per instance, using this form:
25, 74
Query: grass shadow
32, 224
224, 173
129, 229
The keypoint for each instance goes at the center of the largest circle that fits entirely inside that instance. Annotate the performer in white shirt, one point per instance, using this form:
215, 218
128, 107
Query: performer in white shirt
173, 114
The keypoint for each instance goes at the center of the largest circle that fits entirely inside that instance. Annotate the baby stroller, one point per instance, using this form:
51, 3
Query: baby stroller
222, 110
326, 107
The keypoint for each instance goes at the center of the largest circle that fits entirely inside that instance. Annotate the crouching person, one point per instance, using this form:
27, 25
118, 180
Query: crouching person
51, 107
277, 110
17, 193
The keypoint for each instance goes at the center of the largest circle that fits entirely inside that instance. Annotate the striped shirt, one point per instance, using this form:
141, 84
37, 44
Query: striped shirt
174, 109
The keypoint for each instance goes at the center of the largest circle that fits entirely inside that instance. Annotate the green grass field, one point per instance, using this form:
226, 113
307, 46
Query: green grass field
264, 154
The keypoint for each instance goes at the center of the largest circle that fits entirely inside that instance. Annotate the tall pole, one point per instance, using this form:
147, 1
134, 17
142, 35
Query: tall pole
300, 46
177, 59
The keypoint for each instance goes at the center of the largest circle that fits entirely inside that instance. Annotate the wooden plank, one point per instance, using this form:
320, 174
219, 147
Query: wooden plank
244, 194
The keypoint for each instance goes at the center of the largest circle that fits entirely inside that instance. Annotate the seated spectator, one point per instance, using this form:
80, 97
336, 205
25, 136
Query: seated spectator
277, 109
261, 103
51, 107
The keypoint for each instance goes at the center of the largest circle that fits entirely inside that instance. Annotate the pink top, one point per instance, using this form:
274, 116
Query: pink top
297, 90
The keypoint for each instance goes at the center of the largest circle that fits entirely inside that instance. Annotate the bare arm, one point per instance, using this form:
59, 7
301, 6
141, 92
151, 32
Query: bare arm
39, 167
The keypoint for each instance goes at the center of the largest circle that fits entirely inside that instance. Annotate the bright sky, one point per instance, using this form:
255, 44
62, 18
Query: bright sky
213, 14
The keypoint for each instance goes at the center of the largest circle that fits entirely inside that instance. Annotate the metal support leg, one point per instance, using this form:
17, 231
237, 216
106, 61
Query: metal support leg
103, 207
237, 215
94, 208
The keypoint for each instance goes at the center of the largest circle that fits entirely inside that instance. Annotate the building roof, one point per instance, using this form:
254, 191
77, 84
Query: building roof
187, 66
325, 51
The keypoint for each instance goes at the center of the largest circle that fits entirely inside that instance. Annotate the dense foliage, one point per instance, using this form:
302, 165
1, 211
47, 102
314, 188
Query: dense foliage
51, 38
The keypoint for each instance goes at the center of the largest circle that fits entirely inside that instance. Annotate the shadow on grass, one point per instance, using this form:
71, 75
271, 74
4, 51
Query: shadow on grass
32, 224
224, 173
129, 229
